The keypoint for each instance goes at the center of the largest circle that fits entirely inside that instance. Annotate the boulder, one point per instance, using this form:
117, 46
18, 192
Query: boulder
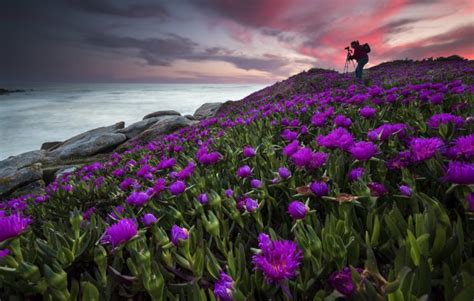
20, 161
190, 117
207, 110
136, 128
35, 188
165, 125
90, 143
50, 145
65, 170
12, 178
162, 113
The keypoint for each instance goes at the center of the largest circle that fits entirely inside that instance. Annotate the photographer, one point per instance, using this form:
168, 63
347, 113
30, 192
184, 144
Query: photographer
360, 55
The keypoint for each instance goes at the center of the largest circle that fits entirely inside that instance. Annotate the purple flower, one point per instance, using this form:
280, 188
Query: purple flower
137, 198
284, 172
229, 193
424, 148
356, 173
244, 171
4, 253
17, 205
291, 148
249, 151
444, 118
289, 135
460, 173
12, 226
342, 281
278, 260
41, 198
367, 112
377, 189
255, 183
319, 188
470, 200
342, 121
298, 210
178, 234
337, 138
318, 119
405, 190
127, 183
317, 160
250, 205
302, 157
203, 199
120, 232
224, 288
87, 214
384, 131
363, 150
437, 98
177, 187
149, 219
463, 148
402, 160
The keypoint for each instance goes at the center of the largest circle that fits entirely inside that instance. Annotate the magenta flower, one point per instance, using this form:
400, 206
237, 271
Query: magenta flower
120, 232
244, 171
405, 190
342, 121
470, 200
444, 118
4, 253
87, 214
318, 119
463, 148
317, 160
302, 157
12, 226
424, 148
384, 131
229, 193
460, 173
137, 198
377, 189
291, 148
149, 219
250, 205
177, 187
178, 234
337, 138
249, 151
363, 150
224, 288
203, 199
402, 160
356, 173
297, 210
319, 188
256, 184
284, 172
367, 112
342, 281
278, 260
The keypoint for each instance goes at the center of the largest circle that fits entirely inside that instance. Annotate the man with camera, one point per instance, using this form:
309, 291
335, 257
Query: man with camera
360, 55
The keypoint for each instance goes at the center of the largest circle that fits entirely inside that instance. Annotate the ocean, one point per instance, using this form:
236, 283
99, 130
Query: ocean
58, 112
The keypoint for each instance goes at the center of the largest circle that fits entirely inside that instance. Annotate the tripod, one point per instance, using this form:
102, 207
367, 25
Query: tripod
346, 65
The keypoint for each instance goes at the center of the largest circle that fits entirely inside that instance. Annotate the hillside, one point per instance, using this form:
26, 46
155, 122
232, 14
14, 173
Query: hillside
314, 188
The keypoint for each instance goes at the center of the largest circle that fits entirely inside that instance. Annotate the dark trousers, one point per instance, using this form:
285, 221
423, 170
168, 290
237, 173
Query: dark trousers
360, 67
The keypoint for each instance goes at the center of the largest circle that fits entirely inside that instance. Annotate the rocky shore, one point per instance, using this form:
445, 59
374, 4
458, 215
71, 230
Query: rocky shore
30, 172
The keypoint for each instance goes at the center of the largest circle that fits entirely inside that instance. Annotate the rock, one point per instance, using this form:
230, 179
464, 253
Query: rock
50, 145
35, 188
90, 143
22, 160
165, 125
162, 113
12, 178
65, 170
190, 117
207, 110
136, 128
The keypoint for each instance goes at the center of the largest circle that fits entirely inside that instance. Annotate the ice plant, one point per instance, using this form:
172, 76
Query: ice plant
250, 205
12, 226
244, 171
256, 183
298, 210
149, 219
203, 198
367, 112
377, 189
224, 287
120, 232
284, 172
342, 281
337, 138
137, 198
363, 150
470, 201
424, 148
178, 234
177, 187
278, 260
356, 173
460, 173
249, 151
319, 188
405, 190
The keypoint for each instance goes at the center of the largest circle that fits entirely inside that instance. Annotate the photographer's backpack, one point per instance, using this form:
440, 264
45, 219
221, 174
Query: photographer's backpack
366, 48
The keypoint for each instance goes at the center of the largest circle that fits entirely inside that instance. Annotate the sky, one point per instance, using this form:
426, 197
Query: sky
218, 41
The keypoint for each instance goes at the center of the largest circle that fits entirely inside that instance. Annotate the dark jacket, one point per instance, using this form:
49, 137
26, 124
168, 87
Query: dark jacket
359, 53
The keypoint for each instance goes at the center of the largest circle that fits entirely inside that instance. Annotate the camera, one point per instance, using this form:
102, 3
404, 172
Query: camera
347, 48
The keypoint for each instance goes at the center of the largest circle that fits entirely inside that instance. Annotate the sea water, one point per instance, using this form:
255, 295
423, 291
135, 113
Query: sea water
59, 112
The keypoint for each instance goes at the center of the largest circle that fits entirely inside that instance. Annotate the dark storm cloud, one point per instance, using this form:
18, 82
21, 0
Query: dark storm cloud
134, 10
164, 51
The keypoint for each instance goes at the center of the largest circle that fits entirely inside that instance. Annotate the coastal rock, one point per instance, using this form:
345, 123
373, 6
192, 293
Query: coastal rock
34, 188
136, 128
165, 125
50, 145
65, 170
207, 110
162, 113
190, 117
20, 161
12, 178
90, 142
